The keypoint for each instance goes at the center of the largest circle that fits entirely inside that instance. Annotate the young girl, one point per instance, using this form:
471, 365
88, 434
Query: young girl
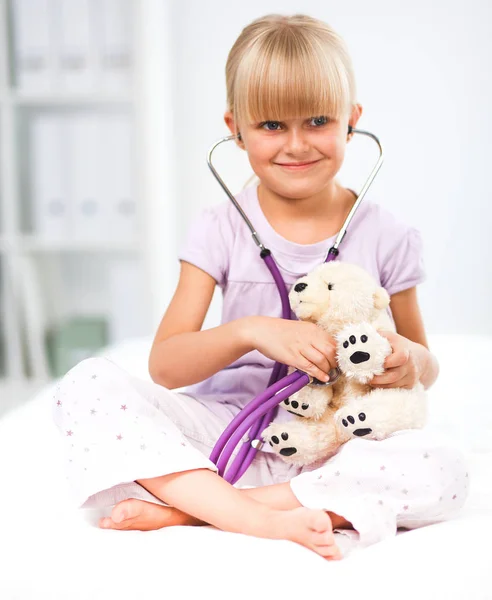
144, 448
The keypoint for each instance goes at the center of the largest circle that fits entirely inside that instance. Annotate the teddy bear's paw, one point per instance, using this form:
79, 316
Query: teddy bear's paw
354, 425
309, 402
302, 442
280, 440
382, 412
289, 440
284, 447
301, 409
361, 352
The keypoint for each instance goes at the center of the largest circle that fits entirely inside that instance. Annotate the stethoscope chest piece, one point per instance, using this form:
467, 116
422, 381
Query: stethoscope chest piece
334, 375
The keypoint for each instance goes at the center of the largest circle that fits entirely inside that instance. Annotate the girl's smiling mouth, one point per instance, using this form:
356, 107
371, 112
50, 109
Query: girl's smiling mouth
298, 166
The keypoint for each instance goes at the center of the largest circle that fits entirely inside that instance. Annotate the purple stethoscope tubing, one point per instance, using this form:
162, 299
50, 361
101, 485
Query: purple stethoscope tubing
261, 411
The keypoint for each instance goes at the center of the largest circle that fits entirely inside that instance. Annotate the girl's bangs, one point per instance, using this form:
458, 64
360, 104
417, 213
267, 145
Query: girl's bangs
275, 90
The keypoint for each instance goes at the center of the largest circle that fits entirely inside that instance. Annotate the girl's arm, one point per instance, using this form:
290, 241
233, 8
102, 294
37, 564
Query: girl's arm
411, 360
181, 354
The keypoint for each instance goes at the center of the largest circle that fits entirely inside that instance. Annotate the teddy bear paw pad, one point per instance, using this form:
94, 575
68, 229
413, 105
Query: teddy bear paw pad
362, 351
358, 356
279, 446
299, 408
359, 431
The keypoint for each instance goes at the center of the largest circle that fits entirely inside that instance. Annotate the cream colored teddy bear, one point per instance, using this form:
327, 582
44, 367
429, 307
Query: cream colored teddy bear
348, 303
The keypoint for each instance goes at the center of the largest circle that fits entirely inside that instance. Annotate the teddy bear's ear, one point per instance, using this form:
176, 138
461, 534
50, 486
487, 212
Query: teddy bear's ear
381, 298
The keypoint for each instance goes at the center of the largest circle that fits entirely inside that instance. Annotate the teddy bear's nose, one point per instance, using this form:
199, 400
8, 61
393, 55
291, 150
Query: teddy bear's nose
300, 286
359, 357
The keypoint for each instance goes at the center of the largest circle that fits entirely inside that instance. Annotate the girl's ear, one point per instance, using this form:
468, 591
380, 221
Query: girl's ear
381, 298
230, 122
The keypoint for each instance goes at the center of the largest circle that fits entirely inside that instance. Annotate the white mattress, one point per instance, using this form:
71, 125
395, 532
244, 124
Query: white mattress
49, 549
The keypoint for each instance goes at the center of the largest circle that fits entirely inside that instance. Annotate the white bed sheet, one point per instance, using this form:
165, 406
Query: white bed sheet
49, 549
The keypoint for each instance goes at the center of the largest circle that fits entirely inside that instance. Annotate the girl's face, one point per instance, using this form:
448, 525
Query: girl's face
296, 158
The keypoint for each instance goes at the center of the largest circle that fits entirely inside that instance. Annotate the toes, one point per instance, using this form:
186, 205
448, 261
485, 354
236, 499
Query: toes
327, 538
331, 552
108, 523
320, 522
105, 523
119, 514
127, 509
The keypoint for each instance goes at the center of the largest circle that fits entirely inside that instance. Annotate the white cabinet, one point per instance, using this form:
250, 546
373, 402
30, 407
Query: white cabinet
76, 229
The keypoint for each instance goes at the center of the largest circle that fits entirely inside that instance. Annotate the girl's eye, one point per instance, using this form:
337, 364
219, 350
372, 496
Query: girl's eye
275, 123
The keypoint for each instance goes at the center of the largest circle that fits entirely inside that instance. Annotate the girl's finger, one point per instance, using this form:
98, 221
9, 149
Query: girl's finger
329, 352
389, 377
319, 358
315, 364
406, 383
397, 359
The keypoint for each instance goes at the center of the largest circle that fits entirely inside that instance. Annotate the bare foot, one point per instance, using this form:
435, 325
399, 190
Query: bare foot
145, 516
310, 528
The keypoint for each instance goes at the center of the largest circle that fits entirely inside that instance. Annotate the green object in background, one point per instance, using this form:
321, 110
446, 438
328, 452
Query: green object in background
73, 341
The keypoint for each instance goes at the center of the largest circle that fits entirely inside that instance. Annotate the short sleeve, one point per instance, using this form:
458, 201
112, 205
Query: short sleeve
206, 246
401, 261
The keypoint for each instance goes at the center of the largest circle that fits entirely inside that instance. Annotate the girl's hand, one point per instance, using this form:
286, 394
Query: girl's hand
298, 344
402, 367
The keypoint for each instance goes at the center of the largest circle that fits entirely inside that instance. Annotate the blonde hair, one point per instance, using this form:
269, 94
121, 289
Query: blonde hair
284, 67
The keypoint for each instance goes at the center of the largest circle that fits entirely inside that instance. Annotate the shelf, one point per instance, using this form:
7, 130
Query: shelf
32, 100
32, 244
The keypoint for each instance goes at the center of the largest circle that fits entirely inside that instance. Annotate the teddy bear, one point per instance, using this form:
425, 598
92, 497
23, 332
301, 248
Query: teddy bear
347, 302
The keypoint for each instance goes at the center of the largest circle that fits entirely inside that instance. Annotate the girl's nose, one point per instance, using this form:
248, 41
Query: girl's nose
296, 142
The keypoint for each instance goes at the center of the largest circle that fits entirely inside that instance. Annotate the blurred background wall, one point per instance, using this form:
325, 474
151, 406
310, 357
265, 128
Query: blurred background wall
131, 95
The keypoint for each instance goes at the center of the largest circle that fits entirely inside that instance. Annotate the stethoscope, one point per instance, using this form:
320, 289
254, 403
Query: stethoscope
260, 412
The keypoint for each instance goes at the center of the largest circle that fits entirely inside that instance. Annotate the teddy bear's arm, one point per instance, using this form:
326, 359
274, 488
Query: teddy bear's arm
303, 442
310, 401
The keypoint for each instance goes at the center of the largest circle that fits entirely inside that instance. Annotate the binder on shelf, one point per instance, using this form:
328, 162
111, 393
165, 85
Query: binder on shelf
114, 44
32, 35
117, 181
74, 45
49, 199
85, 170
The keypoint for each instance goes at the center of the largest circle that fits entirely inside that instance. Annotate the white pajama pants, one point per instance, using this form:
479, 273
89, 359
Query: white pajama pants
118, 428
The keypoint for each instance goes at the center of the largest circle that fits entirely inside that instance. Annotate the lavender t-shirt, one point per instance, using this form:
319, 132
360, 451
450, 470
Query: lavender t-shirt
220, 243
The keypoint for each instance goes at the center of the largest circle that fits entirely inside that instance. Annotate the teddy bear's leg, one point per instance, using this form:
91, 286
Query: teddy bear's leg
303, 442
361, 352
310, 401
381, 413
